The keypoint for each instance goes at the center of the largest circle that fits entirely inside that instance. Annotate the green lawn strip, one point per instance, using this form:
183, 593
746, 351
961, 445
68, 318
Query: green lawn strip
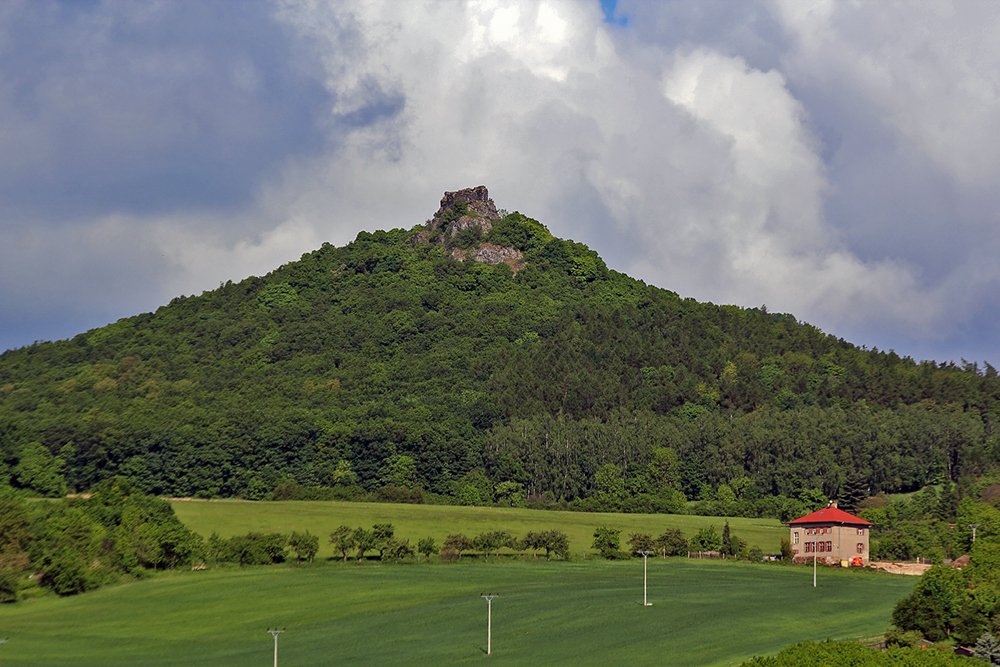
416, 521
579, 613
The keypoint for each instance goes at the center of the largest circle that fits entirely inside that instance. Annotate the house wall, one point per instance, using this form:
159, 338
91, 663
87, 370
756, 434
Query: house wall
843, 539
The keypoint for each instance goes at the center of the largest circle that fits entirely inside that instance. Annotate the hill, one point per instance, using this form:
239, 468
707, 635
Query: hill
479, 358
704, 613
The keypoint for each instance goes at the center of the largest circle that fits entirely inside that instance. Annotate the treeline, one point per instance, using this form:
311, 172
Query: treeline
957, 604
388, 364
78, 544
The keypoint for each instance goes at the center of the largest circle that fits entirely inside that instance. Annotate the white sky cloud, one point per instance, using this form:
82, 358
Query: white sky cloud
833, 160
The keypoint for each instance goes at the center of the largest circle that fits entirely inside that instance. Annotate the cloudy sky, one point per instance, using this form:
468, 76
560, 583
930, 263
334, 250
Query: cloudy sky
836, 160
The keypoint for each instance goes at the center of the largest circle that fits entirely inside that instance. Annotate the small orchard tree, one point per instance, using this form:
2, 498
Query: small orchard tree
427, 547
640, 542
364, 541
533, 541
555, 542
397, 549
342, 540
608, 542
305, 545
382, 533
458, 543
671, 543
707, 539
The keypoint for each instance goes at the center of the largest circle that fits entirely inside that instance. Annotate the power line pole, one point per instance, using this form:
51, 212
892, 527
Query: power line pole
489, 620
644, 555
275, 633
973, 526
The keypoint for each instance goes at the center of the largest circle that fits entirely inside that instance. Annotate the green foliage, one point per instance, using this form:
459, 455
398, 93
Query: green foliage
988, 648
10, 584
427, 546
342, 540
386, 364
671, 543
305, 545
707, 539
931, 608
608, 542
828, 653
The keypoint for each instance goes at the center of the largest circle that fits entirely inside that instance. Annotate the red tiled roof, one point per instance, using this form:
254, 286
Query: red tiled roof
830, 515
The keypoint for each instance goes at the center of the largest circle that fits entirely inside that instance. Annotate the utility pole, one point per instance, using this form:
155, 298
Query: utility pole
275, 633
489, 620
814, 544
644, 555
973, 526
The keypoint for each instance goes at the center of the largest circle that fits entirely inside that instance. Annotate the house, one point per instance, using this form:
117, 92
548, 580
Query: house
830, 535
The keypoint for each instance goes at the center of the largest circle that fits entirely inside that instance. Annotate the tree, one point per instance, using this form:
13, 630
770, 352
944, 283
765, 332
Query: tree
10, 582
397, 549
493, 541
364, 541
555, 542
382, 533
608, 542
534, 541
988, 648
786, 550
706, 539
930, 608
640, 542
727, 544
427, 547
305, 545
66, 575
671, 543
342, 540
609, 480
458, 543
510, 494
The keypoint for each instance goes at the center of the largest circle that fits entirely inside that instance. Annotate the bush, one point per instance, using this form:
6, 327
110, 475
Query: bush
10, 583
66, 574
608, 541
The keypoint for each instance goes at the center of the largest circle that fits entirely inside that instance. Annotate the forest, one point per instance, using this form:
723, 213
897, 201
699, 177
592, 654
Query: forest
390, 366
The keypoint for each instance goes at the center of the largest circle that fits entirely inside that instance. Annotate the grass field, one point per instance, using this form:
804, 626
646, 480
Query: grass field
577, 613
416, 521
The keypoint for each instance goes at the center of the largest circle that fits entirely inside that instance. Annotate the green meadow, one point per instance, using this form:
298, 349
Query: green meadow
233, 517
559, 613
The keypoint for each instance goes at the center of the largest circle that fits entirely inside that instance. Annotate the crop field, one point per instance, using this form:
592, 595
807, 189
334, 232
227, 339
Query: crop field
559, 613
416, 521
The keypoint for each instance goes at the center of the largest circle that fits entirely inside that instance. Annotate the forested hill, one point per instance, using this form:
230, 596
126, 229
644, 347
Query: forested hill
477, 356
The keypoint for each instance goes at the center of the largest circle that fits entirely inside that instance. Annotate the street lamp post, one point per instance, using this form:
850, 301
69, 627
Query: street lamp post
489, 620
275, 633
973, 526
644, 555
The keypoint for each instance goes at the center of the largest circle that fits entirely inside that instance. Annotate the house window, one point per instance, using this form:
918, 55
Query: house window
861, 548
808, 547
829, 546
795, 537
861, 531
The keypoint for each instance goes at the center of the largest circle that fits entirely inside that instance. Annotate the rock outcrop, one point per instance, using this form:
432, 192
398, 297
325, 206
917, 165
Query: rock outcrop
479, 211
476, 199
462, 210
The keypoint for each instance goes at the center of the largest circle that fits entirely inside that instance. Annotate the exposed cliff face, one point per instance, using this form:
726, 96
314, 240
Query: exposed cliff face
466, 209
477, 201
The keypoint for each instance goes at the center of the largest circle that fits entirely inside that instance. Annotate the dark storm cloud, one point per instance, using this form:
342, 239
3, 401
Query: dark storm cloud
149, 107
